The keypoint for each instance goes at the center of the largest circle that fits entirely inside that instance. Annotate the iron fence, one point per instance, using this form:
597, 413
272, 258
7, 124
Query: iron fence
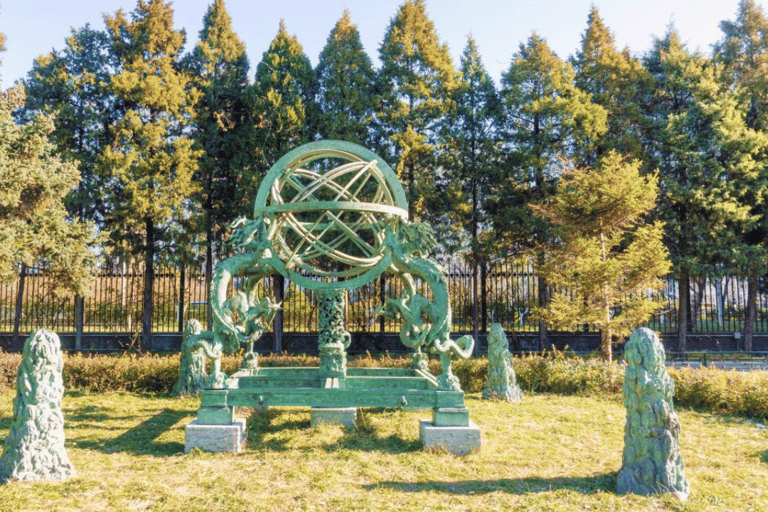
507, 292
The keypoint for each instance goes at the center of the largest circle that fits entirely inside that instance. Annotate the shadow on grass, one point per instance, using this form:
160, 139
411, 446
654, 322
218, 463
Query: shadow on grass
265, 429
139, 440
584, 485
764, 457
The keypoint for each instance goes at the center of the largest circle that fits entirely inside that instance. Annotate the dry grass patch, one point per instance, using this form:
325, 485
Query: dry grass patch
548, 453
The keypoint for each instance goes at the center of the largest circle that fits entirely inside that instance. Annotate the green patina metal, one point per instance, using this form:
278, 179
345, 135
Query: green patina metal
331, 216
651, 463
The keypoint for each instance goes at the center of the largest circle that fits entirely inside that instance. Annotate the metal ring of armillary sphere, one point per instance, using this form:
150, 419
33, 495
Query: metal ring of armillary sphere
330, 202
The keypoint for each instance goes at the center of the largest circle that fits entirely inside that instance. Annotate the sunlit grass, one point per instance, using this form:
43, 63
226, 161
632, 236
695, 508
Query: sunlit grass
548, 453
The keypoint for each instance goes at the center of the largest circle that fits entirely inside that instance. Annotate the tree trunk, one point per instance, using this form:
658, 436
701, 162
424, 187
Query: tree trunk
751, 313
484, 296
543, 300
606, 343
209, 277
682, 309
15, 340
475, 294
149, 281
720, 302
79, 320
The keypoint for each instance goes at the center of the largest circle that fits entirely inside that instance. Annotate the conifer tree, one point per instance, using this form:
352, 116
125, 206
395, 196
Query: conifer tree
151, 160
608, 259
743, 52
72, 84
545, 117
470, 154
34, 226
283, 100
416, 81
283, 108
226, 181
613, 79
708, 161
346, 81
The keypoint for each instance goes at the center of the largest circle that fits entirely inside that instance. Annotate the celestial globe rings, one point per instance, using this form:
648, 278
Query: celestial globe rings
328, 220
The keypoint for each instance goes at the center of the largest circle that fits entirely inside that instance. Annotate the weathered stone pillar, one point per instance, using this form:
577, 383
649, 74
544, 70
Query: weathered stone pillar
502, 381
652, 463
34, 448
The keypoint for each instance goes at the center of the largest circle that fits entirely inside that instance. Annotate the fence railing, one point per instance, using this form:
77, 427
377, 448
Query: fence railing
507, 294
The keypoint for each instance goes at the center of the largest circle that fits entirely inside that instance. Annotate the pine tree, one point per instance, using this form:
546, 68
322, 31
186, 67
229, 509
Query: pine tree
283, 99
608, 259
545, 118
346, 81
706, 156
72, 85
470, 154
416, 81
613, 79
743, 52
35, 229
284, 111
219, 66
151, 161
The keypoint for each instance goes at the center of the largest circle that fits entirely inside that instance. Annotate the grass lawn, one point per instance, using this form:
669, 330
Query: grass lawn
548, 453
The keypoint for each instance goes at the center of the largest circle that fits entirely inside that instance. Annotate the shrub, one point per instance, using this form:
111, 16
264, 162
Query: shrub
706, 389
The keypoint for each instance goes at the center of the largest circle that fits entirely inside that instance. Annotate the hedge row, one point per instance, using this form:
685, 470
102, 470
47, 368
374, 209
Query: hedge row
718, 391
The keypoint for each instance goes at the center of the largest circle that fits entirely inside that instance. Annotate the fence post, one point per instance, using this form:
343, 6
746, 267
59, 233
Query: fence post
484, 295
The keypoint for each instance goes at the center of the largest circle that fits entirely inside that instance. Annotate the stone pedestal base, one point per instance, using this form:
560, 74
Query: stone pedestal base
455, 439
346, 416
215, 438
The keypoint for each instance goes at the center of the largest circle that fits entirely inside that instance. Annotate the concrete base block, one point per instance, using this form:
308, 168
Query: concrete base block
215, 438
346, 416
457, 440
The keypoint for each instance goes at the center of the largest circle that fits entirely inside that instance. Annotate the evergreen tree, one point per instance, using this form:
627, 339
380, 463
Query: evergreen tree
613, 79
608, 259
743, 52
706, 155
470, 154
283, 100
151, 160
72, 85
219, 66
346, 82
546, 117
284, 111
416, 81
34, 225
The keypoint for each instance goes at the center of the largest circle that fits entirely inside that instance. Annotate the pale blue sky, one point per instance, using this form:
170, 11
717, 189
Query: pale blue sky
34, 27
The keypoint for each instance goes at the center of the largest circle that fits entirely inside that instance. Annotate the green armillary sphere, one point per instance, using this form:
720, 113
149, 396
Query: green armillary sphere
330, 216
328, 221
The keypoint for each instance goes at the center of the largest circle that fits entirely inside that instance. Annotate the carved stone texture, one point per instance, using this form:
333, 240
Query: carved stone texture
333, 338
502, 381
652, 463
192, 374
34, 448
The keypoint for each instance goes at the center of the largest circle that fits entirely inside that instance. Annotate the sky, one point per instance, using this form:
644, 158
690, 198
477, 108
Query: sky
35, 27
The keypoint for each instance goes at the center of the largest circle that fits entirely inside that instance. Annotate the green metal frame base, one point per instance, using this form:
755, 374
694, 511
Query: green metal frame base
362, 387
